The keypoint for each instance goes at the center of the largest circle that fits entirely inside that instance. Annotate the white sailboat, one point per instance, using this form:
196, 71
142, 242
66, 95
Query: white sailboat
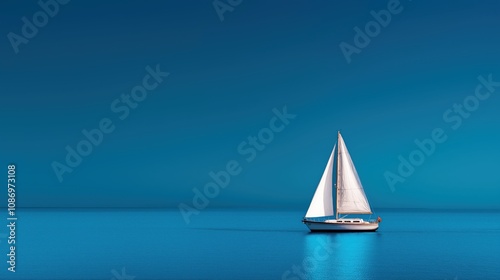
350, 197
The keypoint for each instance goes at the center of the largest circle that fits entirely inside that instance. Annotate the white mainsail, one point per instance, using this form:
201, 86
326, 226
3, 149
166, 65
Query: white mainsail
351, 198
322, 202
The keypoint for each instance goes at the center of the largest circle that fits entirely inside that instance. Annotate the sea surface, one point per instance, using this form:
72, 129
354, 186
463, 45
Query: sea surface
130, 244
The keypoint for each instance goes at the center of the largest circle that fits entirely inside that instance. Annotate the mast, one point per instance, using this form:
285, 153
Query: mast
337, 183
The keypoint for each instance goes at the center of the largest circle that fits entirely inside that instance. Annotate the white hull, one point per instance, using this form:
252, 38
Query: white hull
334, 225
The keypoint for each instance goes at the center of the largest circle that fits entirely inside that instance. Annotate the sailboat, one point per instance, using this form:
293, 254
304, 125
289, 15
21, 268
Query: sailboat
350, 197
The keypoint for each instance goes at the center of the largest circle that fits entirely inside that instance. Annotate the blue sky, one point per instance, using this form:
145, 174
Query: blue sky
226, 77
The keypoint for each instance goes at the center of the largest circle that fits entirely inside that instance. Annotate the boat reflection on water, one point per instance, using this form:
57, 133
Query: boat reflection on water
338, 256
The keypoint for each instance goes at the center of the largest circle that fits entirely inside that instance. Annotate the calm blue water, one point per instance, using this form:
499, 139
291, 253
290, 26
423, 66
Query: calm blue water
232, 244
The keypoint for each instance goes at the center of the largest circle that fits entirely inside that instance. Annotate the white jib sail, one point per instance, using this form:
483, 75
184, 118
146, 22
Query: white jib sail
322, 202
351, 196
